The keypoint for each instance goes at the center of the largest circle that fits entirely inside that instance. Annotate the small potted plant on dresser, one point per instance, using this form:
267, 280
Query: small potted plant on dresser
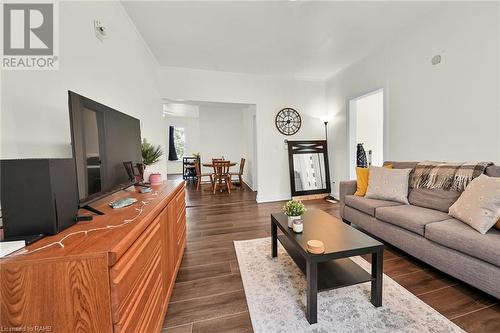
294, 210
150, 155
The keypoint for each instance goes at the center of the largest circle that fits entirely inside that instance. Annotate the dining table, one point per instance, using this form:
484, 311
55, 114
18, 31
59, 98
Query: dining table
211, 165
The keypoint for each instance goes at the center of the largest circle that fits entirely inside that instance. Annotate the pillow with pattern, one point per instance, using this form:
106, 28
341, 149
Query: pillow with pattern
479, 205
388, 184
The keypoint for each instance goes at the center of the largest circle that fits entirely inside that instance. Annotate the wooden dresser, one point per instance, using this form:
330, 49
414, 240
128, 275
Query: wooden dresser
115, 279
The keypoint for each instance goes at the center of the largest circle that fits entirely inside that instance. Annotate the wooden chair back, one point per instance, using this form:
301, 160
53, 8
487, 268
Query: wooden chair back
221, 168
140, 168
129, 166
242, 165
197, 167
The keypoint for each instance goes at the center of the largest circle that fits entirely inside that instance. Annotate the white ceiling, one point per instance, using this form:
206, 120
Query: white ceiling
310, 40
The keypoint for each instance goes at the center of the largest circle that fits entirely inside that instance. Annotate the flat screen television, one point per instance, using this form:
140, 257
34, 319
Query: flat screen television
102, 139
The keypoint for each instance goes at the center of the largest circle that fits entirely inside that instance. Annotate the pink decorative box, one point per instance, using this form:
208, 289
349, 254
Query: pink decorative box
155, 178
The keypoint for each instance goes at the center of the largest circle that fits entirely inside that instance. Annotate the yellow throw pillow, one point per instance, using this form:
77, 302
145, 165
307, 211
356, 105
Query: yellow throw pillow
362, 177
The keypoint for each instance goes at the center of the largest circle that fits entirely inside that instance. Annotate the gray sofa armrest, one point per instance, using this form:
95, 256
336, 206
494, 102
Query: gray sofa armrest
347, 187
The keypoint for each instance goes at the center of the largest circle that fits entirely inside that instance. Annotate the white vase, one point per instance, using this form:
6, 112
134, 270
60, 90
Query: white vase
291, 219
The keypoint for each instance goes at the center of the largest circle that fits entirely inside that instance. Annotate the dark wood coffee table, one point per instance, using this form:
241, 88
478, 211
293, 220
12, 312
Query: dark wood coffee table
332, 269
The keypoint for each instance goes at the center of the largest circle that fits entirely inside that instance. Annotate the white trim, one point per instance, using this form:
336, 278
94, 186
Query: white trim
250, 187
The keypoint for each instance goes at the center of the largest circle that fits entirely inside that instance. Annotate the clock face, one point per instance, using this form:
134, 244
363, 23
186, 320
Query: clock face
288, 121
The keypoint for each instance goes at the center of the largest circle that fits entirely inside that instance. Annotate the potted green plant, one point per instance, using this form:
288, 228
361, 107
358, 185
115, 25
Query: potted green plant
294, 210
151, 154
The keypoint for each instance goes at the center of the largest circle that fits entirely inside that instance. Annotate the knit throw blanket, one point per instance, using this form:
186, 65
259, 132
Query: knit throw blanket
447, 176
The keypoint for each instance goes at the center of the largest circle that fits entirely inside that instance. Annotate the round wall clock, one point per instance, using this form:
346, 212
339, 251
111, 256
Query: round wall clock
288, 121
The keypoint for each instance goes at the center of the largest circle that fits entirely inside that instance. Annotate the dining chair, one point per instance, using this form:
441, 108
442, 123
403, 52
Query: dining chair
132, 175
239, 173
199, 175
221, 175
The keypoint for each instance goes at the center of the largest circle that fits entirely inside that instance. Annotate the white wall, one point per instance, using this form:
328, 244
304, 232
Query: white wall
221, 133
119, 72
269, 94
447, 112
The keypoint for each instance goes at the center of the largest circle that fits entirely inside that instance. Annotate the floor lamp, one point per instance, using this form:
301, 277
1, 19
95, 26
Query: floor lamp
328, 198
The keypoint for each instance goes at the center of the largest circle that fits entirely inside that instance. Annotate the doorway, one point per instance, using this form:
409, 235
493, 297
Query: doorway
366, 126
213, 130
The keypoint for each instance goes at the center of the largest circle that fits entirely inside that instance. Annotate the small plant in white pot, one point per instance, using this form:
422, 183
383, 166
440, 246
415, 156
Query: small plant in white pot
294, 210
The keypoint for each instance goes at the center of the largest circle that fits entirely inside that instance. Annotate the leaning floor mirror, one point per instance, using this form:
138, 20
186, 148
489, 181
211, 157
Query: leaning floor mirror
309, 172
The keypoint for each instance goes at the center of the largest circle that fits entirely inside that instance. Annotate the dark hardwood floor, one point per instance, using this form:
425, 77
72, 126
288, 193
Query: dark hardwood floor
208, 295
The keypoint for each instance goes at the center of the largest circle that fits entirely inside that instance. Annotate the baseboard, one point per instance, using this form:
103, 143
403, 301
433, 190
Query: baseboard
250, 187
310, 197
273, 198
282, 197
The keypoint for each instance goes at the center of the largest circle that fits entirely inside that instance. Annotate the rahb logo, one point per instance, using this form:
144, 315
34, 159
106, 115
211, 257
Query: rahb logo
29, 36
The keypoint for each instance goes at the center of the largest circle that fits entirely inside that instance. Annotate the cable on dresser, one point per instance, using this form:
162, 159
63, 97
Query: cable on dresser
86, 232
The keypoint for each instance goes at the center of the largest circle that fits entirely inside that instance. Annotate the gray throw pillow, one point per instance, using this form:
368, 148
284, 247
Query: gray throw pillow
388, 184
479, 204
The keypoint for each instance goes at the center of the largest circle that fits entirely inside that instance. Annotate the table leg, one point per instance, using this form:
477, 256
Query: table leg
274, 239
377, 275
312, 292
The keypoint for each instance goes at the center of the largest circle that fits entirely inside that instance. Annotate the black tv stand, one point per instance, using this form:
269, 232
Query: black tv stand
92, 209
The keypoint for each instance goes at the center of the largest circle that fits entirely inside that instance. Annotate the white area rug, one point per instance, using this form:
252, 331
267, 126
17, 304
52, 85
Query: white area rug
275, 291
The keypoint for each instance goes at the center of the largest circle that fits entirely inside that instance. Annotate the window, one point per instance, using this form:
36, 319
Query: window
179, 141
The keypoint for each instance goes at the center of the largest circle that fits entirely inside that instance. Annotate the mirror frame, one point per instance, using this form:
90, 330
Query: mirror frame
308, 147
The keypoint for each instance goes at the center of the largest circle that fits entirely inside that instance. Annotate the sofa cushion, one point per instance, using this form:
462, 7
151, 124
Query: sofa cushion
456, 235
388, 184
409, 217
367, 206
438, 199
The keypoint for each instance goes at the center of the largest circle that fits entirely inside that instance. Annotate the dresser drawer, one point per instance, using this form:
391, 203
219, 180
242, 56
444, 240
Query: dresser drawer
181, 242
146, 310
133, 276
180, 225
153, 318
180, 204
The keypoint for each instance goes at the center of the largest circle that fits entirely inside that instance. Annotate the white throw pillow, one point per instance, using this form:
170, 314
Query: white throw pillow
479, 205
388, 184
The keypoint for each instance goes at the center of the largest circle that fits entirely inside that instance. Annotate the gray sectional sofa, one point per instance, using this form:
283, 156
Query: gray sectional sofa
424, 230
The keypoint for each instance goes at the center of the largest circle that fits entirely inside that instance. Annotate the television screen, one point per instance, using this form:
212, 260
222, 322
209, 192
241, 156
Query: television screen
102, 139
